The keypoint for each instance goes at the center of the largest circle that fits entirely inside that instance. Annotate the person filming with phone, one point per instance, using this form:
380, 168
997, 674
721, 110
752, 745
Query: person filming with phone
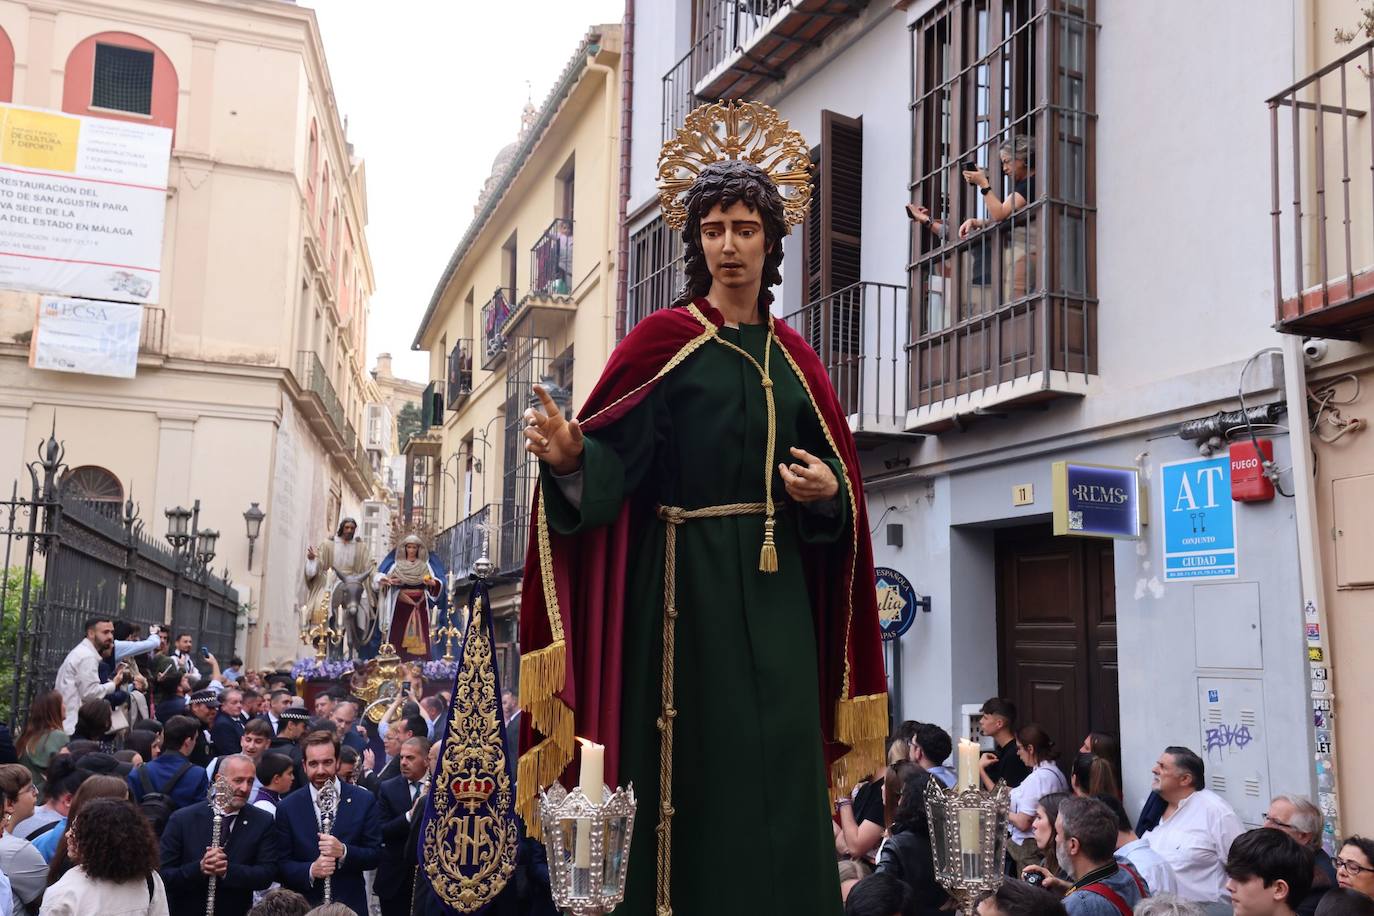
1017, 157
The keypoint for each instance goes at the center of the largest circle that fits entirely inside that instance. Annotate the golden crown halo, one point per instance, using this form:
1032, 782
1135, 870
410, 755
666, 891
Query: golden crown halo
748, 131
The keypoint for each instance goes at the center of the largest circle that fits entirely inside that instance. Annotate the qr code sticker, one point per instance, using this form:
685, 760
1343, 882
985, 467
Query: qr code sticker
1075, 521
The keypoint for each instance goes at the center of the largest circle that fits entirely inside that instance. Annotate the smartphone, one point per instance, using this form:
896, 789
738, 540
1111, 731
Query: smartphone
204, 652
970, 166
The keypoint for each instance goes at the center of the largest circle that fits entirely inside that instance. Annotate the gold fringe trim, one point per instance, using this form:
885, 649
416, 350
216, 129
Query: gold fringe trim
862, 724
542, 673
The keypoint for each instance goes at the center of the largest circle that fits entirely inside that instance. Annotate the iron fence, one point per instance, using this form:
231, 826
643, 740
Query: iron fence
66, 560
551, 260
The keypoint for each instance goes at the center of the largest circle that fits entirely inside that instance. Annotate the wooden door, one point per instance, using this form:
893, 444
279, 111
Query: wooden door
1056, 612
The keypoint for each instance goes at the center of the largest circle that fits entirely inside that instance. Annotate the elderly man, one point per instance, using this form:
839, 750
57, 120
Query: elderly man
345, 717
1196, 830
244, 862
78, 679
1296, 816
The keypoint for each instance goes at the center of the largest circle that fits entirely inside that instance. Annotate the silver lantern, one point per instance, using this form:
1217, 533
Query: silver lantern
588, 846
968, 837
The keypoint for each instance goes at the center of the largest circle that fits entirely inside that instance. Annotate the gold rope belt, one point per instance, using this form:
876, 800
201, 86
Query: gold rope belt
674, 516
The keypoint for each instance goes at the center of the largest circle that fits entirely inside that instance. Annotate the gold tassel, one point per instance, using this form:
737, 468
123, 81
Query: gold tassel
862, 724
542, 676
768, 556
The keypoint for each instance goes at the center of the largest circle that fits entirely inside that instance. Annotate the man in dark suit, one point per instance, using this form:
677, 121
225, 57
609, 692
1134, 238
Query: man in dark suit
245, 861
345, 717
397, 734
352, 845
396, 802
226, 731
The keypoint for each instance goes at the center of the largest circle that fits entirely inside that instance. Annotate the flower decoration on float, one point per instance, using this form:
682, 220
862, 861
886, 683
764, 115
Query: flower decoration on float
747, 131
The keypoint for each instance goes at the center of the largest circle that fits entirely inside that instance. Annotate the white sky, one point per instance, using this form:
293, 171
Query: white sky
432, 90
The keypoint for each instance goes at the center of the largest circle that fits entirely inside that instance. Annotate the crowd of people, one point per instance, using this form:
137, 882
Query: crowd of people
1075, 849
106, 789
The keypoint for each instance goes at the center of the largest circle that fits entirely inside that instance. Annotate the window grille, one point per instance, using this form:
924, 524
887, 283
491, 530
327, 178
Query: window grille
123, 79
655, 270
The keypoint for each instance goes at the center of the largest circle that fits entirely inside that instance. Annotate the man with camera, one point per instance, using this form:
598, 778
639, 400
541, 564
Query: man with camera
1086, 848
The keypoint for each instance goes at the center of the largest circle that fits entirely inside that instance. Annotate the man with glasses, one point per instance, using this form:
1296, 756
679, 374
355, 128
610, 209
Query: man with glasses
1302, 820
1196, 830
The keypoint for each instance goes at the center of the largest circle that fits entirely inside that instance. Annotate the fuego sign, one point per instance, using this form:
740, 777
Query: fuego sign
1094, 500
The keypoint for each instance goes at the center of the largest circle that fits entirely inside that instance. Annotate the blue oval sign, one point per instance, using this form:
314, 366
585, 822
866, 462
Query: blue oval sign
896, 602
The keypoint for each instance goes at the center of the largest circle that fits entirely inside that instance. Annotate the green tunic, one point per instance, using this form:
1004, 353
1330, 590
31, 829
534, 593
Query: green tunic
751, 832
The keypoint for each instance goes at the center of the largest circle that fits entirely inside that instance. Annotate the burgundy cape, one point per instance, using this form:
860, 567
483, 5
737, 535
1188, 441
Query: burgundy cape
572, 605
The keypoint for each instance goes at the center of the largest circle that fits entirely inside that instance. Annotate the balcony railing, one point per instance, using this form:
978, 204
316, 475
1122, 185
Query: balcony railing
461, 545
859, 332
312, 377
152, 337
551, 260
741, 45
1320, 189
459, 373
679, 96
494, 315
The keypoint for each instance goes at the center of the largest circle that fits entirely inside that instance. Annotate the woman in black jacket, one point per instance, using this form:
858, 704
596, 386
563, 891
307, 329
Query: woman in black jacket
906, 852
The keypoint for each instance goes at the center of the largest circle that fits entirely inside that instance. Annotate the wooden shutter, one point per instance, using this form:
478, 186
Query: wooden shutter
834, 233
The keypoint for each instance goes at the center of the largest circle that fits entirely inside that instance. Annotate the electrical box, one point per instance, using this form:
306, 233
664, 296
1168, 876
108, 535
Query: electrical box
1248, 483
1234, 743
1351, 498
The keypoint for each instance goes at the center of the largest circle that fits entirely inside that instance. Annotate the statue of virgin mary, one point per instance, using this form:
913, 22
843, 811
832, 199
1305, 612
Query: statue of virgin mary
411, 588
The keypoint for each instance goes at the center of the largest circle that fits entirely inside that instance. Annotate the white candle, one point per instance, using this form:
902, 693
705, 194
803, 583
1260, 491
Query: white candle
969, 771
592, 782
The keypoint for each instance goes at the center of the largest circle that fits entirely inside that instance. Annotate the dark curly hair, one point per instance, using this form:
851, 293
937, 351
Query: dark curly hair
726, 183
115, 842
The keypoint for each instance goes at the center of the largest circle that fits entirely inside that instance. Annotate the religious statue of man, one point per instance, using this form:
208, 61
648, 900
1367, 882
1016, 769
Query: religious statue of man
699, 593
348, 557
409, 587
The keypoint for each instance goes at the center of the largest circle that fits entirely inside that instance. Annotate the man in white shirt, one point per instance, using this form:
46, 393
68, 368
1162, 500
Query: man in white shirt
78, 679
1196, 831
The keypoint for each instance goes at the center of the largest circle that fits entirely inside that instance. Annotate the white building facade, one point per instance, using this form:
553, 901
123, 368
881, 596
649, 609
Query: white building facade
1089, 327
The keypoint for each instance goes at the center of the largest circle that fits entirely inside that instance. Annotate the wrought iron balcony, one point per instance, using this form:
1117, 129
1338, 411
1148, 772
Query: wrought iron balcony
742, 45
494, 316
679, 95
461, 545
859, 333
459, 373
1320, 161
313, 378
551, 261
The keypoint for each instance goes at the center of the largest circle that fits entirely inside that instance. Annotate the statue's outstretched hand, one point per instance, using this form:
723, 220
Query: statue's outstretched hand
550, 438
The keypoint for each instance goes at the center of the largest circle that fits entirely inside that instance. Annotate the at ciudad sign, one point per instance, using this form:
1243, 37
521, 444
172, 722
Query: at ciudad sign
897, 604
1096, 500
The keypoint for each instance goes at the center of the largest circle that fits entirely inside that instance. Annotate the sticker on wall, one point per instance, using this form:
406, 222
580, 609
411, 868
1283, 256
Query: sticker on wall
1315, 654
1199, 520
1314, 633
1214, 696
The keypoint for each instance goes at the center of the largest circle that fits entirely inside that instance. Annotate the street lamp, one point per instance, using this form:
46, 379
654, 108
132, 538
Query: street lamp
253, 519
205, 546
178, 526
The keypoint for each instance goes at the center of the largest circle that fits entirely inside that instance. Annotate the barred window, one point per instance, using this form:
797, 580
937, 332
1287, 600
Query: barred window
123, 79
655, 270
1003, 284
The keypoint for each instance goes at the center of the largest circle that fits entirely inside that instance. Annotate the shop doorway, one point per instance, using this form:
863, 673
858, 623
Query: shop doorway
1056, 621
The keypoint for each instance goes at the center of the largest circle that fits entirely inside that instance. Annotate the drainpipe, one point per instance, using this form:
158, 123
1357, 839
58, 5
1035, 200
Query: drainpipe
608, 75
627, 83
1310, 570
